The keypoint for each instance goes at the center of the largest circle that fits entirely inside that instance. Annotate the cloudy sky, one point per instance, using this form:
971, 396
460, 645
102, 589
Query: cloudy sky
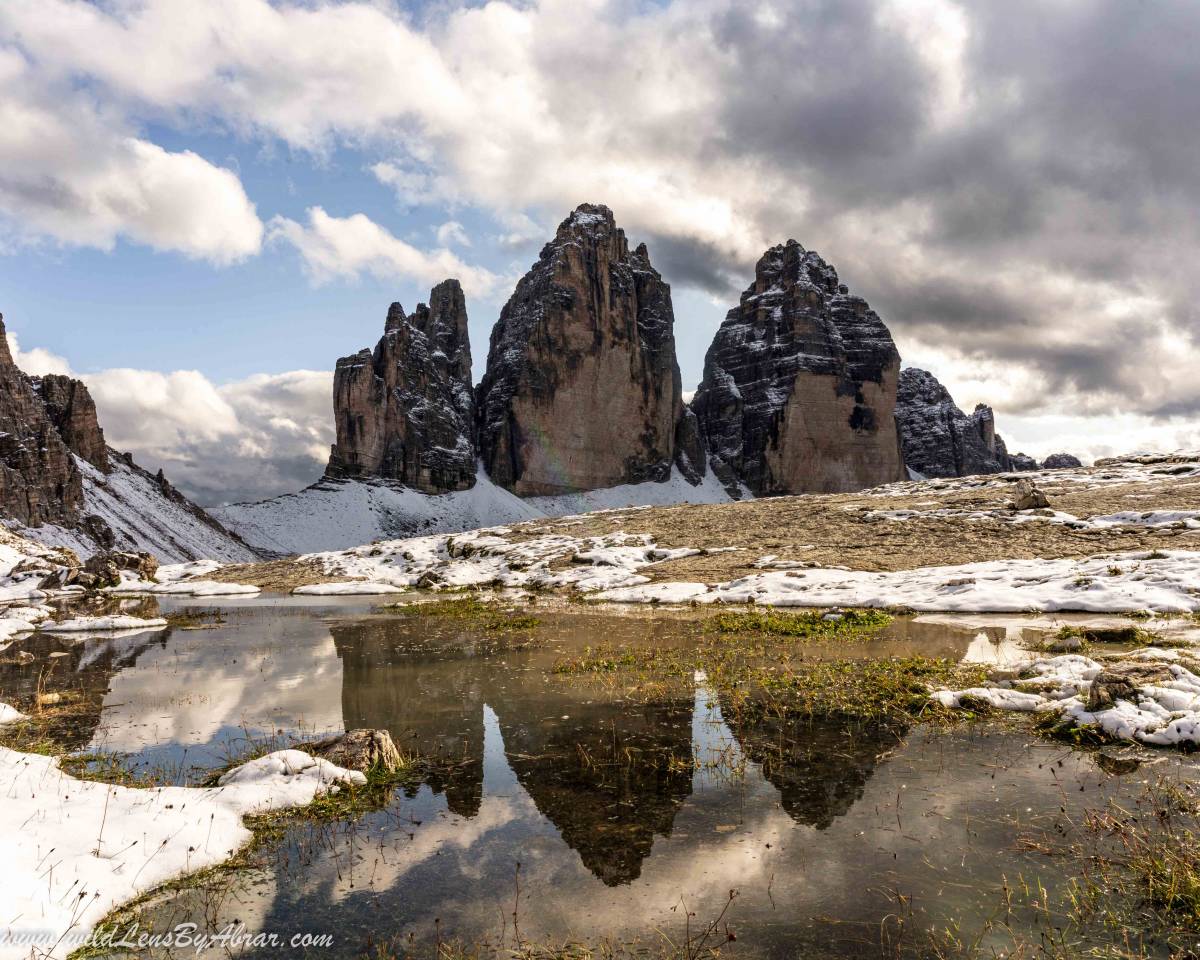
202, 205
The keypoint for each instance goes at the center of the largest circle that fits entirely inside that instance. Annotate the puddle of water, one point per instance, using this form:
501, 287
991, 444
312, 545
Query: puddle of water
563, 811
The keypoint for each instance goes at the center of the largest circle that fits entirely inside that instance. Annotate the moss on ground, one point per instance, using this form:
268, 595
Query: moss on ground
487, 614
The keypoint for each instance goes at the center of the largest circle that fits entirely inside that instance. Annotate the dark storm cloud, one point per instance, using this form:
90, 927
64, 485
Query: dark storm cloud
1066, 182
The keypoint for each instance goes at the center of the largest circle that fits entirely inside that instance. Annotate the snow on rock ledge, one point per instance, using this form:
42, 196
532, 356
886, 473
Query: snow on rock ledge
113, 843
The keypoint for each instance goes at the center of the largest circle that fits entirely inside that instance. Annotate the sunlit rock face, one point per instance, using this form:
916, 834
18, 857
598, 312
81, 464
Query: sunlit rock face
71, 409
582, 388
799, 384
405, 412
39, 481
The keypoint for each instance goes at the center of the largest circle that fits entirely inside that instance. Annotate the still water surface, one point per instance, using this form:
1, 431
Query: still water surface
562, 810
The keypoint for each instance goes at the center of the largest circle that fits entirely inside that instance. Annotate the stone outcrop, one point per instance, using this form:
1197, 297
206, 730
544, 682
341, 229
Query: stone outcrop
1026, 496
582, 388
937, 438
800, 384
405, 412
73, 412
39, 480
1059, 461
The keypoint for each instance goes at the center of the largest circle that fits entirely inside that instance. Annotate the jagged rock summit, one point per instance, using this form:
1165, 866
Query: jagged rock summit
406, 411
800, 384
939, 440
39, 481
582, 388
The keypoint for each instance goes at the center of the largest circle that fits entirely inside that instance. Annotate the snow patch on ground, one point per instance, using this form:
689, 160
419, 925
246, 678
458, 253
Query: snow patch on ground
488, 558
1163, 713
104, 624
10, 714
337, 514
73, 850
1164, 582
355, 588
130, 585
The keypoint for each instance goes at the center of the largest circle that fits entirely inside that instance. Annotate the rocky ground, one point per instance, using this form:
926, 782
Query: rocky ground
924, 523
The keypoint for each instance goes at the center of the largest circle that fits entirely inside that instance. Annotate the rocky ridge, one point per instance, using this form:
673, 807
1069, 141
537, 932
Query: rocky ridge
62, 485
39, 481
800, 384
939, 440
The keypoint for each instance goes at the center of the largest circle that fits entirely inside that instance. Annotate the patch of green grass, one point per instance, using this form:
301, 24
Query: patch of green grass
488, 614
195, 619
809, 624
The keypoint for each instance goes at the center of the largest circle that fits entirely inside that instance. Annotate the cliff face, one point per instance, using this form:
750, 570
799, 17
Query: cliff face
582, 387
939, 440
406, 411
800, 384
73, 412
39, 481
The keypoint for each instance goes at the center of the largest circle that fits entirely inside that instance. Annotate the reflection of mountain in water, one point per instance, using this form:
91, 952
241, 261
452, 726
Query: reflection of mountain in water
819, 769
427, 691
610, 779
610, 775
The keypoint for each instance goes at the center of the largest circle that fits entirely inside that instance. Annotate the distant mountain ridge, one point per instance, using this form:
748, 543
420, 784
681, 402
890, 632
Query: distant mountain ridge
580, 407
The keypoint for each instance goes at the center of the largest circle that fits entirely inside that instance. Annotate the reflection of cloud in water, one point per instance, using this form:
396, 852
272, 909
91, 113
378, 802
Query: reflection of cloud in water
200, 687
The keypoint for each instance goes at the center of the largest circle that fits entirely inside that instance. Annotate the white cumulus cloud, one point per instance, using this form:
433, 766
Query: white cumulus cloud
74, 171
351, 246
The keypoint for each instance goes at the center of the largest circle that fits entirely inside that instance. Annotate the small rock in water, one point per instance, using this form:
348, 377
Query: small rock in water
360, 750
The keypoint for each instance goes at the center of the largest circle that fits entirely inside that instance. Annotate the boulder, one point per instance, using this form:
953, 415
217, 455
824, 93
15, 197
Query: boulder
1121, 682
1028, 497
361, 750
582, 388
1021, 463
405, 412
104, 569
1059, 461
799, 387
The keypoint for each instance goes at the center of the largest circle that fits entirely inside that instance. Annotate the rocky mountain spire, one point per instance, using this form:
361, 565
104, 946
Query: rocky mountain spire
39, 481
800, 384
939, 440
405, 412
582, 388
